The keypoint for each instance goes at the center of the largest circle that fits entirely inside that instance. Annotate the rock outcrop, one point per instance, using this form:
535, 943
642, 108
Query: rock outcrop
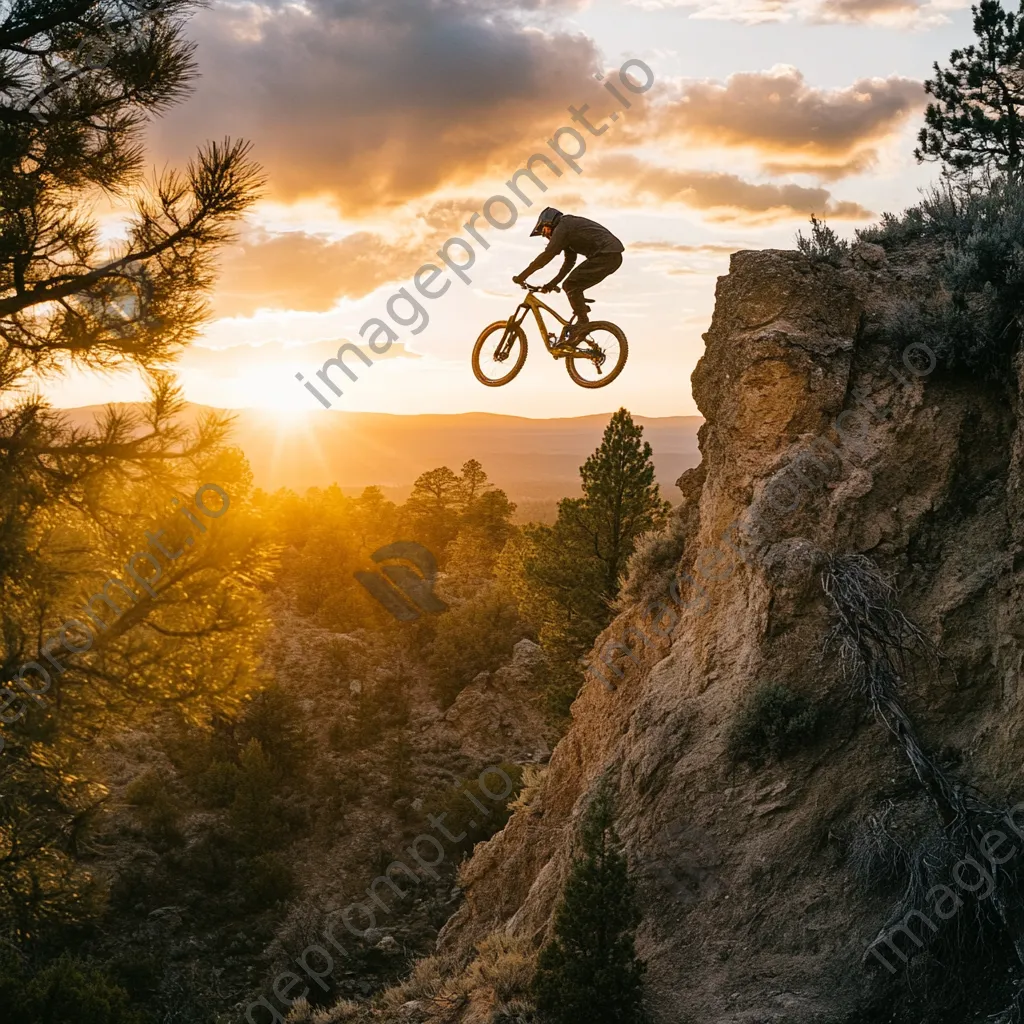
823, 436
491, 718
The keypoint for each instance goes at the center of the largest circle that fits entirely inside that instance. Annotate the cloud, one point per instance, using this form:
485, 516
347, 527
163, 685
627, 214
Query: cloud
296, 270
866, 10
915, 14
796, 127
231, 360
824, 170
725, 197
374, 102
707, 249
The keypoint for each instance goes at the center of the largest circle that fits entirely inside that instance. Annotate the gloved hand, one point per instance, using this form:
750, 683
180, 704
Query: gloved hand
518, 279
551, 286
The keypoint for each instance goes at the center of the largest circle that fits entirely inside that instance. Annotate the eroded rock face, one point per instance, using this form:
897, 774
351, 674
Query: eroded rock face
751, 912
490, 718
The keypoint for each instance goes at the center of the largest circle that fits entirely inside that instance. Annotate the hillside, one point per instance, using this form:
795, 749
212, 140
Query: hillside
528, 458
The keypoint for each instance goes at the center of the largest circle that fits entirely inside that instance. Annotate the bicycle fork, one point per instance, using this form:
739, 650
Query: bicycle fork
505, 345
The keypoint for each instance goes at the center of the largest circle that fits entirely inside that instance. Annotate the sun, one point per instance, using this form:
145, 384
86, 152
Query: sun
273, 388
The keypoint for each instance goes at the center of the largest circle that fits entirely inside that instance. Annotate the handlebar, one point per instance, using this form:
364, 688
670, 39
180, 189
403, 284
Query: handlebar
538, 287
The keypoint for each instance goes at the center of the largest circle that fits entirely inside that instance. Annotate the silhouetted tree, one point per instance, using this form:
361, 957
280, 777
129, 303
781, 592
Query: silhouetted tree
977, 121
571, 571
444, 506
474, 481
434, 508
620, 498
80, 79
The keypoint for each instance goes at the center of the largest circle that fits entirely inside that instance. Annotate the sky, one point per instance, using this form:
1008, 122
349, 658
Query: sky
384, 125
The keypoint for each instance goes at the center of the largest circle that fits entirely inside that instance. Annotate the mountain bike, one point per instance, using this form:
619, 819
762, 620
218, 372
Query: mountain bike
593, 360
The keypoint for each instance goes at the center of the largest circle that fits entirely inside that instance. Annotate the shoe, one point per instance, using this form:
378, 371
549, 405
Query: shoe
566, 344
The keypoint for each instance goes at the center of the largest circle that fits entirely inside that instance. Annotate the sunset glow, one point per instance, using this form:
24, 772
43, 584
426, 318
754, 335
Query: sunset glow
759, 116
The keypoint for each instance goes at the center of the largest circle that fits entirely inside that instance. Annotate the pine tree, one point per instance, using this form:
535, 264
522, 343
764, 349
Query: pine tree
590, 970
79, 79
572, 570
977, 121
620, 498
433, 509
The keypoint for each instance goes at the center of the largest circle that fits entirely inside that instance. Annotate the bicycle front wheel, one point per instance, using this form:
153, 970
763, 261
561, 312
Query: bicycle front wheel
599, 355
499, 353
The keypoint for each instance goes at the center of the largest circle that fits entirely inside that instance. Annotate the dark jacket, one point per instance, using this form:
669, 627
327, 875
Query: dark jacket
575, 236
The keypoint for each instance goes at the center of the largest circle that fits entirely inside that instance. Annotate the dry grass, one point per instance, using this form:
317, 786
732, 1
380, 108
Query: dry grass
515, 1011
342, 1012
533, 778
436, 980
653, 564
505, 965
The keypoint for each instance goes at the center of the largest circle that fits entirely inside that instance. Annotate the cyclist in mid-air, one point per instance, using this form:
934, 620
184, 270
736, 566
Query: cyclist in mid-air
574, 236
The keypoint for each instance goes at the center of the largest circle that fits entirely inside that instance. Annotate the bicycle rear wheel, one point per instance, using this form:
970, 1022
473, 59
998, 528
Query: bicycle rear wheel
599, 355
499, 353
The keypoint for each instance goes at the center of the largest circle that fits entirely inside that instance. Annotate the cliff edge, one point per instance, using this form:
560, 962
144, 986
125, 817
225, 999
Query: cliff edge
826, 436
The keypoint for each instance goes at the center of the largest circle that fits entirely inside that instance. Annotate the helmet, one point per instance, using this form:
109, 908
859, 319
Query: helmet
549, 217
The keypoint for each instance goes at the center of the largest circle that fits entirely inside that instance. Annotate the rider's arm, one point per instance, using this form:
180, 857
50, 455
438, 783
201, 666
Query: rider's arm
567, 265
542, 260
556, 244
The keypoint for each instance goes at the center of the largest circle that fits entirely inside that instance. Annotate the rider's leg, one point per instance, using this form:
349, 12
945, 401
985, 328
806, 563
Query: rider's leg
586, 275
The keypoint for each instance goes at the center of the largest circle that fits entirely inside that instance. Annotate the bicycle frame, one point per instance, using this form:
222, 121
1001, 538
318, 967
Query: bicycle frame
532, 303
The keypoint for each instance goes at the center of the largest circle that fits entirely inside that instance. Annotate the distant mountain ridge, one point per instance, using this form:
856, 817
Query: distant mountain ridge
532, 458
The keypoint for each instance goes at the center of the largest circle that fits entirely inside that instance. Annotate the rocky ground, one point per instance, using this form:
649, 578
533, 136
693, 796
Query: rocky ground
358, 805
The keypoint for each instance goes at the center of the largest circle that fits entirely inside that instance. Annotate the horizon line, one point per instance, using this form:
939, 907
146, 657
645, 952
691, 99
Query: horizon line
396, 415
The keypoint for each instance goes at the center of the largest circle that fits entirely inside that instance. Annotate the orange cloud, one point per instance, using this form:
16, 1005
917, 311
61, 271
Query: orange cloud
375, 102
867, 10
296, 270
724, 196
796, 127
899, 13
708, 249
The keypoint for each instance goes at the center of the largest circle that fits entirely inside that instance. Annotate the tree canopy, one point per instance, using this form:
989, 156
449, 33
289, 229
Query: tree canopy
79, 79
977, 119
566, 576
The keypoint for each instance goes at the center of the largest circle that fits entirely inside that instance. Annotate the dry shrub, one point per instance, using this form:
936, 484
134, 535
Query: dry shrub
533, 778
772, 723
653, 564
823, 245
515, 1011
504, 964
877, 854
431, 979
342, 1012
301, 1012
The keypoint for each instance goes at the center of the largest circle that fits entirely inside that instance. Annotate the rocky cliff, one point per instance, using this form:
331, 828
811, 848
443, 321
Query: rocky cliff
825, 436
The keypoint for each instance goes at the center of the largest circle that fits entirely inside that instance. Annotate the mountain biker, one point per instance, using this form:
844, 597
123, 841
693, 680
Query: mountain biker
572, 235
